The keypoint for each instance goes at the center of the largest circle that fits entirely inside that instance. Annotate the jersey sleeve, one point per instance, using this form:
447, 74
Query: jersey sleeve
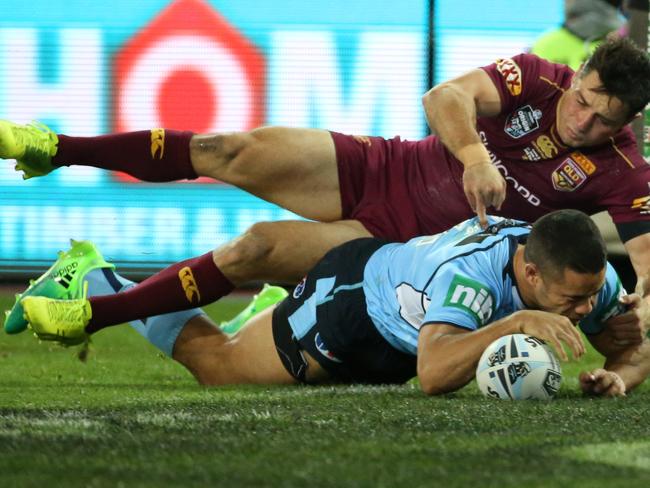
608, 305
461, 297
524, 78
629, 197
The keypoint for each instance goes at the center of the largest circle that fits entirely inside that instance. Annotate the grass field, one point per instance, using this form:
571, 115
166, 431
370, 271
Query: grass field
130, 417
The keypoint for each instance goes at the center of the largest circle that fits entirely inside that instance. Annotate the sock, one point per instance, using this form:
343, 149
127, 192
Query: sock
155, 155
160, 330
188, 284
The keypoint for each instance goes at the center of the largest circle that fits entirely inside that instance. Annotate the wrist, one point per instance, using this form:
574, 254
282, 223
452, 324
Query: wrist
474, 154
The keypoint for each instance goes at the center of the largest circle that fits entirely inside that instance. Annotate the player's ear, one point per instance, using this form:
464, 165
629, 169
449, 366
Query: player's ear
532, 273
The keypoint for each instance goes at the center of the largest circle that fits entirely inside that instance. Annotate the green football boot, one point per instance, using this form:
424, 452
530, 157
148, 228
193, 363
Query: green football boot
32, 146
270, 295
62, 321
63, 281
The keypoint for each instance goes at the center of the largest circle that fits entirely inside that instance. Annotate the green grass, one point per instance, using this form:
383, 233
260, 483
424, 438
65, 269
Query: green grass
130, 417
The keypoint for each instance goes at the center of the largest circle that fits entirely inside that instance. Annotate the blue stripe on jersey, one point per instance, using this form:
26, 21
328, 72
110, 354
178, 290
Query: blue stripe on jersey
304, 318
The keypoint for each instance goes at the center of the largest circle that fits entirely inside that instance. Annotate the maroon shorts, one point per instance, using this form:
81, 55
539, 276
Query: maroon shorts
373, 178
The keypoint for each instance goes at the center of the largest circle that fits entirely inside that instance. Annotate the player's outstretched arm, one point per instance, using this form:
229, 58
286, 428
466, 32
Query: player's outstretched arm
625, 367
448, 355
451, 109
638, 249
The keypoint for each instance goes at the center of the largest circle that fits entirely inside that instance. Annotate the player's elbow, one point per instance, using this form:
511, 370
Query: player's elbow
433, 381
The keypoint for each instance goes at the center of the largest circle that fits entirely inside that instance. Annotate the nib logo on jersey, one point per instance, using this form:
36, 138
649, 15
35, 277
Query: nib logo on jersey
189, 69
472, 297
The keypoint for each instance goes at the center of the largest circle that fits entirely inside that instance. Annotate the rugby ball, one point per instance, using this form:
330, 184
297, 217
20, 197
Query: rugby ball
519, 367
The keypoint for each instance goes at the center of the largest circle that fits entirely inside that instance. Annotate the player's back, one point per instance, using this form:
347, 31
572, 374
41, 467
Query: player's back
400, 280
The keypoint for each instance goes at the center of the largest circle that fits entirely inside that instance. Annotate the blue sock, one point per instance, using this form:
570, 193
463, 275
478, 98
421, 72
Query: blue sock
161, 330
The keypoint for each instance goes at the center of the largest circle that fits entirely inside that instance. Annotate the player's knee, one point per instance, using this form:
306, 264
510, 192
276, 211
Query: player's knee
220, 155
247, 257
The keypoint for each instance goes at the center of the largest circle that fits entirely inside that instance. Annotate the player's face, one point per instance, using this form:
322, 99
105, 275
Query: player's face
573, 295
587, 117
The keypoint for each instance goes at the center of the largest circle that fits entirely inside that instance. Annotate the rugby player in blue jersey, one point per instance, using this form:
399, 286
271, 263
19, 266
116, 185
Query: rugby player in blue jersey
375, 312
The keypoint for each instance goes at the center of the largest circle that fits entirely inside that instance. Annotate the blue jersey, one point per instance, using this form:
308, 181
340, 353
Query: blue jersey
463, 277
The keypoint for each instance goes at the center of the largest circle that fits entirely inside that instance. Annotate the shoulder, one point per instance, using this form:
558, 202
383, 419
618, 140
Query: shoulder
526, 77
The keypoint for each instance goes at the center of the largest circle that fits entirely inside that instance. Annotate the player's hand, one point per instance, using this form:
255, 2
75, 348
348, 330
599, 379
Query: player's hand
553, 329
628, 329
484, 187
602, 383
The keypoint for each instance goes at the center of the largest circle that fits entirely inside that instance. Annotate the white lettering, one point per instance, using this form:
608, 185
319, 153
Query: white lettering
384, 93
523, 191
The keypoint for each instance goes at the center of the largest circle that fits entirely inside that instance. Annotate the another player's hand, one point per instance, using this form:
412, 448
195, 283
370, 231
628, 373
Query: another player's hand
553, 329
628, 329
484, 187
602, 383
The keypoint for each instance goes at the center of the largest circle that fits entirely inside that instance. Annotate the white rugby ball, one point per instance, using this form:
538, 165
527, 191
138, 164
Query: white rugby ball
519, 367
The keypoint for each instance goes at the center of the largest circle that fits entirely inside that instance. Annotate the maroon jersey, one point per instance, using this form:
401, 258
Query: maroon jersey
542, 173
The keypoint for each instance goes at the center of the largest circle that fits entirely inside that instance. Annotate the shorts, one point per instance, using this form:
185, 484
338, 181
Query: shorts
326, 317
373, 180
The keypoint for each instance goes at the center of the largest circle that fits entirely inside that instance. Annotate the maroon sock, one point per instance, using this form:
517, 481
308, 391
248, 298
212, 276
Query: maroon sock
149, 155
188, 284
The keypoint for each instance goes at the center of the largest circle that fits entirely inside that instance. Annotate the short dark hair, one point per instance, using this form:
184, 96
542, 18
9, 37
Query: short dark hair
566, 239
624, 72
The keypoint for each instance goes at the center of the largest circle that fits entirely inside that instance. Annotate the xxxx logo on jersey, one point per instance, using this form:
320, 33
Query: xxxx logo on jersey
157, 143
511, 73
472, 297
573, 172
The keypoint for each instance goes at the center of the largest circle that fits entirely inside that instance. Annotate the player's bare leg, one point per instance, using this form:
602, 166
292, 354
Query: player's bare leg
293, 168
282, 251
248, 357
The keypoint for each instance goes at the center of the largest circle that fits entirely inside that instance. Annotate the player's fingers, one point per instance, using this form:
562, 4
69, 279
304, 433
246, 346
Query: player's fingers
471, 199
557, 345
633, 300
577, 347
482, 215
587, 381
572, 337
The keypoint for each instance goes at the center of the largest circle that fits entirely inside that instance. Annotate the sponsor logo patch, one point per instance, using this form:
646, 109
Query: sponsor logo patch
642, 205
584, 162
300, 287
568, 176
523, 121
472, 297
511, 74
322, 348
545, 147
189, 285
157, 143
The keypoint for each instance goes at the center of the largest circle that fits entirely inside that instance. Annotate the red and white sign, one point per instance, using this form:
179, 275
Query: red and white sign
189, 69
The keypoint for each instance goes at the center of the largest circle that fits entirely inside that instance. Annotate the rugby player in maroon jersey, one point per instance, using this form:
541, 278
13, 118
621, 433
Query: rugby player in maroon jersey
521, 137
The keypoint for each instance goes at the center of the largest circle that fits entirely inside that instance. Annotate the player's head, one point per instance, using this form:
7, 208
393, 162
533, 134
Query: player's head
565, 261
606, 93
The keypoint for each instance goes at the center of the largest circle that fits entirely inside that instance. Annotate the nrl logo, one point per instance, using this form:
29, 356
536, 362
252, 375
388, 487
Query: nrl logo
524, 121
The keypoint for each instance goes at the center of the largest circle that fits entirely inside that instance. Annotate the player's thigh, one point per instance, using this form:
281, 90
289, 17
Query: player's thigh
283, 251
249, 357
293, 168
